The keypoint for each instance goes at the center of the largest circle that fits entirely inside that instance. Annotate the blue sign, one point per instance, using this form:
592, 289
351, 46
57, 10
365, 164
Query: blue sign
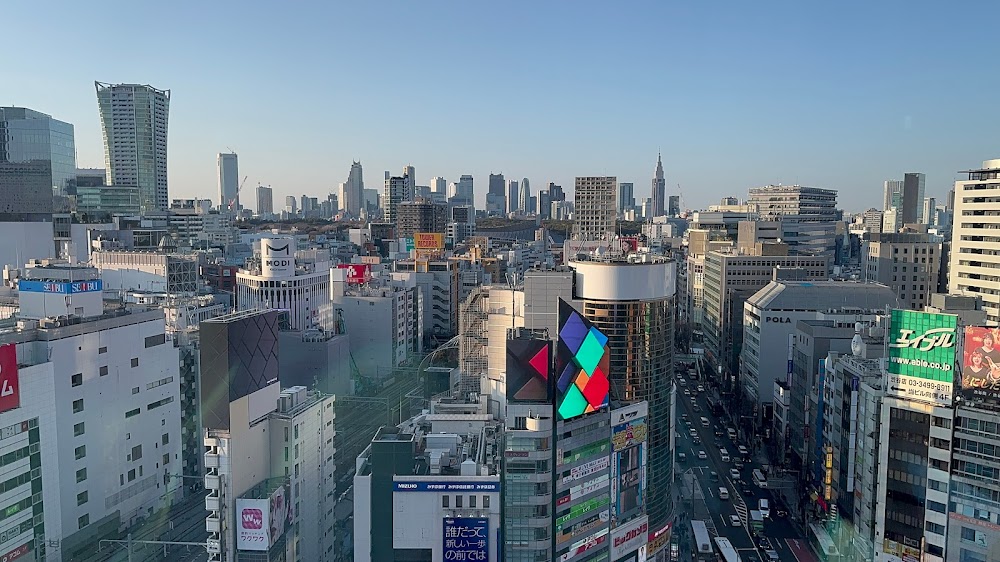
445, 486
60, 287
466, 538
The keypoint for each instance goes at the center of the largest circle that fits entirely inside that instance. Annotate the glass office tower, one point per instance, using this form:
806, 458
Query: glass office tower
37, 161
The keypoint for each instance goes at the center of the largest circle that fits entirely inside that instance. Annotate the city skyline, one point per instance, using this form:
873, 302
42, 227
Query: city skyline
847, 101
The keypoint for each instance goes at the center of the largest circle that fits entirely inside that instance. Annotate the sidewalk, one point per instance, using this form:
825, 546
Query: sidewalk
800, 550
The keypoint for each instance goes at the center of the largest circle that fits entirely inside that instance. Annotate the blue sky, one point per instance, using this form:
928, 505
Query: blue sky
736, 95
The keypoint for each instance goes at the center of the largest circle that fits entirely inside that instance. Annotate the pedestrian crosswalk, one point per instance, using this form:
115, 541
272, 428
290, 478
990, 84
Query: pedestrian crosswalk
741, 509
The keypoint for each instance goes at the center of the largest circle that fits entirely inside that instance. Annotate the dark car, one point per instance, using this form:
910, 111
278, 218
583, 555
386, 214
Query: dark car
748, 491
781, 512
763, 543
713, 476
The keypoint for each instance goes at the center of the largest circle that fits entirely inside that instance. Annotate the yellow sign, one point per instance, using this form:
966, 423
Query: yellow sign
428, 240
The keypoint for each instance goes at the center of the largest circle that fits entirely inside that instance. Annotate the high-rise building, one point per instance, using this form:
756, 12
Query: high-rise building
351, 198
497, 185
134, 123
887, 257
543, 204
913, 197
290, 204
37, 162
633, 304
626, 197
439, 185
394, 194
808, 216
556, 192
512, 197
892, 194
229, 182
265, 201
422, 215
524, 196
273, 281
659, 191
928, 215
975, 244
594, 208
78, 367
674, 205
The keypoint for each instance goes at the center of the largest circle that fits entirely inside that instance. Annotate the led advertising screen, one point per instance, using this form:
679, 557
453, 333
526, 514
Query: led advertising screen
528, 367
466, 538
582, 364
981, 364
922, 348
628, 461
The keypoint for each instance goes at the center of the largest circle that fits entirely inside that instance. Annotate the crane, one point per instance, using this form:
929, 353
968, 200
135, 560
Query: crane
237, 196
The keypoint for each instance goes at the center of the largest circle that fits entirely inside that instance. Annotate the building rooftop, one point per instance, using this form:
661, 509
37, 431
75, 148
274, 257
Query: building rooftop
823, 295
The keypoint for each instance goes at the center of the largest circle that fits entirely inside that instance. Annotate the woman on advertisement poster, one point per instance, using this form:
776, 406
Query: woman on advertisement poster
981, 365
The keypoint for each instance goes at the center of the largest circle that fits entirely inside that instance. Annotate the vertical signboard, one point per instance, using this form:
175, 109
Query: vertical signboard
466, 538
629, 537
922, 356
528, 370
10, 393
628, 461
253, 525
981, 365
279, 512
277, 257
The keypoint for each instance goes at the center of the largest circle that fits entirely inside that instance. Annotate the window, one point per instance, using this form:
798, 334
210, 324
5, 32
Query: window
968, 534
472, 502
81, 498
131, 475
80, 452
486, 502
936, 506
81, 474
165, 439
153, 341
102, 349
83, 521
135, 362
78, 429
77, 379
158, 403
131, 413
941, 422
458, 502
444, 501
78, 406
166, 459
932, 527
135, 390
136, 453
104, 370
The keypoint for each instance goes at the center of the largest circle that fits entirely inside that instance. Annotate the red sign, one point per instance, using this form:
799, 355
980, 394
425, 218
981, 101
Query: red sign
357, 272
252, 518
10, 396
16, 553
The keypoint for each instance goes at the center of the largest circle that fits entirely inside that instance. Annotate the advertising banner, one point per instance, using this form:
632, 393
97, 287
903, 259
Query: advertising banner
63, 288
357, 273
586, 469
628, 466
586, 544
17, 553
466, 538
280, 512
277, 257
582, 365
981, 364
428, 240
922, 356
580, 490
252, 524
10, 394
402, 486
629, 537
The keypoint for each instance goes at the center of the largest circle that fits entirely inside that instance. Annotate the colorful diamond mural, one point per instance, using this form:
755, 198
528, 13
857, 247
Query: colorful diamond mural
528, 370
582, 359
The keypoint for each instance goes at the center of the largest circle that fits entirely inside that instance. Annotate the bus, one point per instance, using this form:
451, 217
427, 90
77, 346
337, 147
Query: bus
759, 479
726, 550
756, 522
701, 540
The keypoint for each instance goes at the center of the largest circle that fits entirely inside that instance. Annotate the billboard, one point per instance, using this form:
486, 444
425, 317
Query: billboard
628, 465
357, 273
277, 257
528, 367
922, 356
252, 525
428, 240
582, 362
466, 538
63, 288
981, 364
629, 537
459, 486
10, 393
280, 512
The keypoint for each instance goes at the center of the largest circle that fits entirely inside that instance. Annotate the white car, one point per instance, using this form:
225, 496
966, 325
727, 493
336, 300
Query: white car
734, 474
702, 455
734, 520
701, 388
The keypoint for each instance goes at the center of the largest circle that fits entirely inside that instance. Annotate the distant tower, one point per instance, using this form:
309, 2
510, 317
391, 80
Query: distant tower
229, 182
352, 196
512, 193
410, 179
659, 188
265, 201
524, 196
134, 123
